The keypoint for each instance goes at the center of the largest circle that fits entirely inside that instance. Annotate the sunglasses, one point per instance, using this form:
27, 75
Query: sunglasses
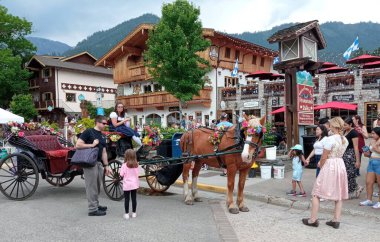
104, 123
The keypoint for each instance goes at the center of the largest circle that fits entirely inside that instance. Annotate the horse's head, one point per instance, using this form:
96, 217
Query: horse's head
255, 130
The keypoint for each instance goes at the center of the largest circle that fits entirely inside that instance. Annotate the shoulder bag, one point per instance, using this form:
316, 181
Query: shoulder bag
87, 157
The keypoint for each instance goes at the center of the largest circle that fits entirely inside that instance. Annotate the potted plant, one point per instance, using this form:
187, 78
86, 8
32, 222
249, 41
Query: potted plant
269, 139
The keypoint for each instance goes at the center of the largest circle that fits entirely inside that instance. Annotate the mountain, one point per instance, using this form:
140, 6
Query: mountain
101, 42
49, 47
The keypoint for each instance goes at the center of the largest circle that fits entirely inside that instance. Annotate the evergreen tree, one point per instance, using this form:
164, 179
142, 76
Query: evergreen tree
172, 50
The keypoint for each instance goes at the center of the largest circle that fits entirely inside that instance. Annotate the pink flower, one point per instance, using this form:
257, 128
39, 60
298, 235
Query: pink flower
264, 130
21, 134
245, 124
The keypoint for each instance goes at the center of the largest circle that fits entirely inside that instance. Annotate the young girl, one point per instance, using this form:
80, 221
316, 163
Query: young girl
296, 154
130, 173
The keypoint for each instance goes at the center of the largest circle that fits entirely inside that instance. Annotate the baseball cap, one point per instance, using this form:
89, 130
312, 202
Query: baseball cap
224, 115
297, 147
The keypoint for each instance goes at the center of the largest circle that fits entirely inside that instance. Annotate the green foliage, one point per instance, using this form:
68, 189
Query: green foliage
172, 50
86, 122
22, 105
269, 137
169, 132
53, 125
14, 51
92, 110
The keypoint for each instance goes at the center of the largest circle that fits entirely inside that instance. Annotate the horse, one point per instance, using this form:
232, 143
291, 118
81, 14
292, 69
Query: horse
196, 142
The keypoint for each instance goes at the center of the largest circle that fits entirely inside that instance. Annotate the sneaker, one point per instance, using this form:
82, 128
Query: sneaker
126, 216
134, 215
300, 194
366, 203
375, 194
97, 213
377, 205
291, 193
102, 208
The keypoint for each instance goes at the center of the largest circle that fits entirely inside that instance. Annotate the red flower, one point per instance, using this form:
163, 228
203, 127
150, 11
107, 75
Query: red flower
21, 134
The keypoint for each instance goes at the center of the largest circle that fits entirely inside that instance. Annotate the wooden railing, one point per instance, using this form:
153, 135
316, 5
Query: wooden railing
161, 99
43, 105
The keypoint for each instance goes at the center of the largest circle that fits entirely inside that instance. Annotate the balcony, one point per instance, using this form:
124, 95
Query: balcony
33, 84
371, 81
137, 72
43, 105
123, 73
248, 92
162, 99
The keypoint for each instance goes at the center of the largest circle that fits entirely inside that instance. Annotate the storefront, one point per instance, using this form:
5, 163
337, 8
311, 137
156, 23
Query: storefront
371, 110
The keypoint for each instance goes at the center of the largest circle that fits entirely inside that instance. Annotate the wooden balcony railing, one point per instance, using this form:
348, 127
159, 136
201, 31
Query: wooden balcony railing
162, 99
249, 92
43, 105
340, 88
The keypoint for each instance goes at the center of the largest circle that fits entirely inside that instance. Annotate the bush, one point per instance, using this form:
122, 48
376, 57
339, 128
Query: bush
269, 137
23, 105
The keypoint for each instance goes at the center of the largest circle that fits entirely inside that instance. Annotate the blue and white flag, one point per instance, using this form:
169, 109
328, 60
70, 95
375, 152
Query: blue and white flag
353, 47
276, 60
236, 69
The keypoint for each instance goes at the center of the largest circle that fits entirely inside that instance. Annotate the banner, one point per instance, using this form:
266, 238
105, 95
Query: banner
305, 98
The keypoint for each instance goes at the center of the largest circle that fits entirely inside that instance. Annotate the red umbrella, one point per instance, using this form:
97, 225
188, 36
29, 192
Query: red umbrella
260, 74
371, 65
333, 69
280, 110
363, 59
337, 105
328, 64
276, 76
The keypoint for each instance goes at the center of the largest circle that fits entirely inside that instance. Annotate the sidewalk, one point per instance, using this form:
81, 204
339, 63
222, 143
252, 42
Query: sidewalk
274, 191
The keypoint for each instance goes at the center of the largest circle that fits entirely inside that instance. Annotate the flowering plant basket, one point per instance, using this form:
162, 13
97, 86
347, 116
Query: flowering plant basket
152, 136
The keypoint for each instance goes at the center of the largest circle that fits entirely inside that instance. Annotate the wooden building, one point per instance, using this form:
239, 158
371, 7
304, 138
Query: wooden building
147, 101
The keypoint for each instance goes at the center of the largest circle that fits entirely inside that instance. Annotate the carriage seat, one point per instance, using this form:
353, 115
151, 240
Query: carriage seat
55, 152
108, 133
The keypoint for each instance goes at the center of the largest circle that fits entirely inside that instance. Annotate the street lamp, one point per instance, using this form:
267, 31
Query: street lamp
99, 95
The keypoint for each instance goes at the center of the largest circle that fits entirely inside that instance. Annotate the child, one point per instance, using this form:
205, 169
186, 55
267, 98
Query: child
129, 171
296, 154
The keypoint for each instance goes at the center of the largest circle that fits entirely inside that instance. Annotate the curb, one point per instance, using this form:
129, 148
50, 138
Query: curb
280, 201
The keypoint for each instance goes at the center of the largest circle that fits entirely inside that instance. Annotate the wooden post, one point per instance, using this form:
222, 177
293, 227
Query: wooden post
291, 114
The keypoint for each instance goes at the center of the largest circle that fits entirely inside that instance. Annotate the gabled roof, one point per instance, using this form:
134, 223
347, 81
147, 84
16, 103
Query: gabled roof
297, 30
77, 55
46, 61
140, 33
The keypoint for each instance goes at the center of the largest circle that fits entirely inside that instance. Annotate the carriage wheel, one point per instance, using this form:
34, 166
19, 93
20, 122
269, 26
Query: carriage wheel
18, 176
150, 173
58, 180
113, 184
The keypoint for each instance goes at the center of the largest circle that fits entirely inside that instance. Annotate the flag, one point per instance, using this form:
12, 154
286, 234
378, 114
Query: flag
353, 47
276, 60
236, 69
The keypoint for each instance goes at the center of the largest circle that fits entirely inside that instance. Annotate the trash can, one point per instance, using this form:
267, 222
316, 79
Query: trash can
165, 148
308, 142
176, 149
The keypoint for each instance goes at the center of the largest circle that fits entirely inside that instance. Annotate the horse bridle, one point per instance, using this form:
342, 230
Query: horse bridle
254, 145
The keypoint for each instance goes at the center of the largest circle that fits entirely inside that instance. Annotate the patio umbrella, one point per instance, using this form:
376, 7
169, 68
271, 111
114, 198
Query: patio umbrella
337, 105
276, 76
6, 116
328, 64
260, 74
334, 69
280, 110
363, 59
372, 65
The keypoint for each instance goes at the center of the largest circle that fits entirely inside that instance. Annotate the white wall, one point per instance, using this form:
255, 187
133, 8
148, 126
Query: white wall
82, 78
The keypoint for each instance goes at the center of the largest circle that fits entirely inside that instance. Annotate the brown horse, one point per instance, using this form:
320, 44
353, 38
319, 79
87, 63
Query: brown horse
196, 142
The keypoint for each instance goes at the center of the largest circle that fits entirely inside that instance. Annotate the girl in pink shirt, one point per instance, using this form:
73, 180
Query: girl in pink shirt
130, 173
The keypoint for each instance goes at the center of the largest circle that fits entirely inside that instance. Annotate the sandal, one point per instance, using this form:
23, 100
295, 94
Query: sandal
305, 221
333, 224
359, 191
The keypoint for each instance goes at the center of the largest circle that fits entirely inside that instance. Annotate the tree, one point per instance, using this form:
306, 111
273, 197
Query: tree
173, 44
15, 49
22, 105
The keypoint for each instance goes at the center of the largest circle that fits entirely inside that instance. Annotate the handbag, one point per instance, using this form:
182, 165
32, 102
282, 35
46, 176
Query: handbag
87, 157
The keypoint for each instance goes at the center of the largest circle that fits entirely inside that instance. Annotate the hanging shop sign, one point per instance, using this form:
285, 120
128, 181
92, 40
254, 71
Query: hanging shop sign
173, 109
251, 104
343, 98
305, 100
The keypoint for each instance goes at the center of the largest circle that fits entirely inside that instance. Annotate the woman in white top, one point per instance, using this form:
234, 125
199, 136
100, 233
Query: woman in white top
321, 132
121, 123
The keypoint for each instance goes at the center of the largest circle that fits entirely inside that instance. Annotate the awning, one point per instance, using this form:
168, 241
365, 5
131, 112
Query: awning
373, 64
280, 110
260, 74
337, 105
328, 64
363, 59
6, 116
334, 69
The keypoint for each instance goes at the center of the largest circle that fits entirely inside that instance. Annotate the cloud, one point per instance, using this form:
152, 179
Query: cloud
70, 21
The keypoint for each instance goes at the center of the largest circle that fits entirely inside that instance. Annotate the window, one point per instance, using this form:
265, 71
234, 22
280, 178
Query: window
254, 59
70, 97
227, 53
157, 87
47, 96
289, 49
147, 88
237, 54
230, 81
262, 61
46, 72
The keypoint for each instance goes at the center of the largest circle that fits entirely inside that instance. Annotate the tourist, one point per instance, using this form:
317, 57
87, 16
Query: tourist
297, 157
279, 139
213, 124
129, 171
320, 132
121, 123
351, 158
224, 121
376, 123
93, 176
331, 182
362, 134
71, 131
373, 170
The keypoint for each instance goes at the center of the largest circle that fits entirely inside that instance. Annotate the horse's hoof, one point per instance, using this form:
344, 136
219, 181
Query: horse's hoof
189, 202
244, 209
198, 199
233, 210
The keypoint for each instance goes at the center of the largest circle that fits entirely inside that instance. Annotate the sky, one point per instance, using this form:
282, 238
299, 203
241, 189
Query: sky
71, 21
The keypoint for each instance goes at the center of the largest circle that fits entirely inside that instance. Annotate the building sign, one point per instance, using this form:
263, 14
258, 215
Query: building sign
213, 52
173, 109
305, 99
251, 104
305, 118
343, 98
